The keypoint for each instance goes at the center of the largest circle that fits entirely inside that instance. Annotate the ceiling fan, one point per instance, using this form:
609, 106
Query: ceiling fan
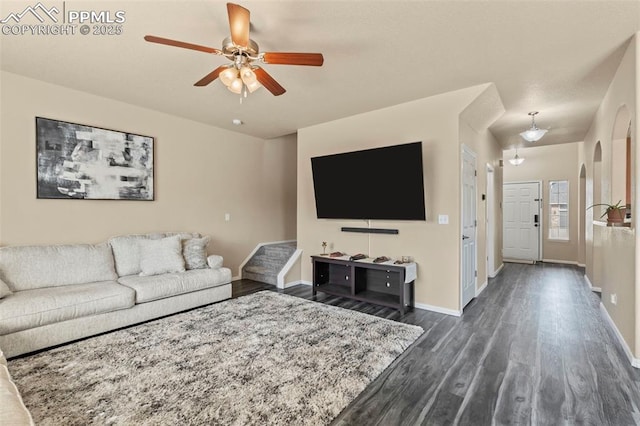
243, 75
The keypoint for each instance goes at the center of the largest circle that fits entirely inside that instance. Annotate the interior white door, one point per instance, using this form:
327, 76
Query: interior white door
490, 223
469, 224
521, 221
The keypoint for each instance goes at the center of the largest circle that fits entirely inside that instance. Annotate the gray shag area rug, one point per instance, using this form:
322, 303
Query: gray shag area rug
265, 358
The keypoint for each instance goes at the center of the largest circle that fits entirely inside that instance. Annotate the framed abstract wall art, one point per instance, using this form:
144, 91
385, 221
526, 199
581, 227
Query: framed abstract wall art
91, 163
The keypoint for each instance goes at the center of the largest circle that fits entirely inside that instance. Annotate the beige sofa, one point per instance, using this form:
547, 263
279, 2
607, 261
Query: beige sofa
12, 409
56, 294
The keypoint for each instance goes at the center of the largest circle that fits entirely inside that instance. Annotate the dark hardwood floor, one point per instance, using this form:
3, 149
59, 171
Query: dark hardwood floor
531, 349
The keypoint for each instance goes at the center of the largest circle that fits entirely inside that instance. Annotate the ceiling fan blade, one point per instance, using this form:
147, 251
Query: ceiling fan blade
239, 23
211, 76
176, 43
312, 59
268, 82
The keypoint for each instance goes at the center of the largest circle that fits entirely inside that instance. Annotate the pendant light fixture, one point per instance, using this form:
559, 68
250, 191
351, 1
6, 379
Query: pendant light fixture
533, 134
517, 160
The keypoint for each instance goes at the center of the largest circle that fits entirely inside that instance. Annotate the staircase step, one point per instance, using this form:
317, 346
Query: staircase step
269, 279
263, 260
256, 269
280, 251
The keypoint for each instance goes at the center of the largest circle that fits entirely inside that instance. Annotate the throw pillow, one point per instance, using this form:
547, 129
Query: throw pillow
4, 290
161, 256
194, 251
126, 252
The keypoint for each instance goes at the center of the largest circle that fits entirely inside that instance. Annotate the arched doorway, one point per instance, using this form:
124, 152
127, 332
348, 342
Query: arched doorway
621, 159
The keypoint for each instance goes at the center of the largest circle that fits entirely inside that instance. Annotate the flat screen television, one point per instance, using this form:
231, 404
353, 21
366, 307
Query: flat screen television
382, 183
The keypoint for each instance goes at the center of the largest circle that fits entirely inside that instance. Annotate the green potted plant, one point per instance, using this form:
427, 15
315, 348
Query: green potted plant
615, 212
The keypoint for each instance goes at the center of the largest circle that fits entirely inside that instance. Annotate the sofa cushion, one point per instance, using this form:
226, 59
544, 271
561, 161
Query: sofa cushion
149, 288
12, 409
4, 289
31, 267
126, 253
33, 308
161, 256
194, 251
126, 249
215, 261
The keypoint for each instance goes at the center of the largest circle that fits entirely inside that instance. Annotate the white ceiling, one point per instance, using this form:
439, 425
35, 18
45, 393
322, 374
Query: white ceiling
556, 57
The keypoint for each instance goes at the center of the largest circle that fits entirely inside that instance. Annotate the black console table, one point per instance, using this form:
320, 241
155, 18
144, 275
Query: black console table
379, 283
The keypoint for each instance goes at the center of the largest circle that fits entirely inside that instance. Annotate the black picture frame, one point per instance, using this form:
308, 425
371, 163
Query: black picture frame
78, 161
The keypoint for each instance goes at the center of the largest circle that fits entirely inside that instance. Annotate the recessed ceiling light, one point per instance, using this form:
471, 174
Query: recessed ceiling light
237, 121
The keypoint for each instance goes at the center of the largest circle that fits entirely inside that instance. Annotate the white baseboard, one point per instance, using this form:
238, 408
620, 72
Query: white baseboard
563, 262
481, 289
497, 271
305, 282
438, 309
528, 262
236, 278
633, 360
596, 289
582, 265
292, 283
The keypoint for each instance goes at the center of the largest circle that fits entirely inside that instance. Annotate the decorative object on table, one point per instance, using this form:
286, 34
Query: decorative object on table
381, 259
615, 213
337, 254
358, 256
242, 361
86, 162
406, 259
324, 248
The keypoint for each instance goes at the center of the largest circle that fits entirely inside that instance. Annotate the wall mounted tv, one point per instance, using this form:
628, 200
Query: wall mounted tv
382, 183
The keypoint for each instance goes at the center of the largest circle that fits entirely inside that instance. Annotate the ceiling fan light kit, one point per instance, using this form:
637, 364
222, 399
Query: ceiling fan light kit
228, 75
533, 134
236, 86
242, 76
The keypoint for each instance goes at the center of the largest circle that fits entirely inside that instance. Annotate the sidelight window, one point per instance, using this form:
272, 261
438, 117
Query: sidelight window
559, 210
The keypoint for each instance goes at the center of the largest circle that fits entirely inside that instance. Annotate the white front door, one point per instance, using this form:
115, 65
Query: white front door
522, 221
469, 223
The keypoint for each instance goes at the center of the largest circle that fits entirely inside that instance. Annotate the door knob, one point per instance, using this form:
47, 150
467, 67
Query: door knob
464, 237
